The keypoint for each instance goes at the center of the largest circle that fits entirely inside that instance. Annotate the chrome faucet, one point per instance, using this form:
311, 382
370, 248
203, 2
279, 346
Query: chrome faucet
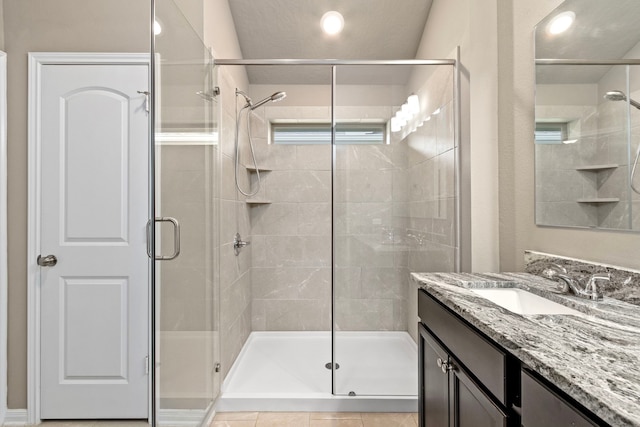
592, 285
575, 285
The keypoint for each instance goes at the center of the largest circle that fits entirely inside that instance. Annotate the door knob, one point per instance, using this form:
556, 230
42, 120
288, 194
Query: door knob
47, 261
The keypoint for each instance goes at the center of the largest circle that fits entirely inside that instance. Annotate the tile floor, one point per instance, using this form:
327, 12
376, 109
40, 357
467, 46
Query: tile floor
276, 419
314, 419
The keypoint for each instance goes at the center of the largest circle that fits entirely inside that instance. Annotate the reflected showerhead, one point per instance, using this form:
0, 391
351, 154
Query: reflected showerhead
278, 96
617, 95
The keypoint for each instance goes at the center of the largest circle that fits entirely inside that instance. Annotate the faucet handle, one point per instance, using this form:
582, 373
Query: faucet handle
553, 271
592, 287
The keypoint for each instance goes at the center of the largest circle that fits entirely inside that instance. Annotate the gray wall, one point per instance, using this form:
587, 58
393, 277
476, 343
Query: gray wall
53, 26
1, 24
473, 26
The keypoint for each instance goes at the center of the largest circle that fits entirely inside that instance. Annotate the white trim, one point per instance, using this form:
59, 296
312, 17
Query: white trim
36, 61
180, 417
3, 237
16, 417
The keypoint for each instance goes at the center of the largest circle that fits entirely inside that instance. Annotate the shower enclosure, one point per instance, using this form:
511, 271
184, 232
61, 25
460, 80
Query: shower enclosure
186, 202
297, 297
358, 168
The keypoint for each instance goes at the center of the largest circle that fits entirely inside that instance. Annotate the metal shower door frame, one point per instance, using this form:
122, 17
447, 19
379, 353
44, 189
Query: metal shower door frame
334, 63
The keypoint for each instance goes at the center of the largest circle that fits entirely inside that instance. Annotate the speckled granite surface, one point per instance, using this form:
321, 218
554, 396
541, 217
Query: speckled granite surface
595, 357
624, 284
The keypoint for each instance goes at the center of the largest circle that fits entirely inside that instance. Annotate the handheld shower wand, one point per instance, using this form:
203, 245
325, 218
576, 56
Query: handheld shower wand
250, 106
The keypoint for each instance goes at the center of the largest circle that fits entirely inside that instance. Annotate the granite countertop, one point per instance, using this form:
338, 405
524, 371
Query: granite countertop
594, 358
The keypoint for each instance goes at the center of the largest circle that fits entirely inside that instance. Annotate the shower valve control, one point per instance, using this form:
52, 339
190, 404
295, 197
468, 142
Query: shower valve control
239, 244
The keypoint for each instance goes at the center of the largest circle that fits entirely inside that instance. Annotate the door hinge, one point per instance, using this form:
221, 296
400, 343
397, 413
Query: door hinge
146, 365
217, 367
146, 94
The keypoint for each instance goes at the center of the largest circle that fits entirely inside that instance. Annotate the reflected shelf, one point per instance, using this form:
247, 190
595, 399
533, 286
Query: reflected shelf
599, 200
597, 168
257, 202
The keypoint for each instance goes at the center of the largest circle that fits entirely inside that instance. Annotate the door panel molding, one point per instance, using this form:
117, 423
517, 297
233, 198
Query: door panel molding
36, 61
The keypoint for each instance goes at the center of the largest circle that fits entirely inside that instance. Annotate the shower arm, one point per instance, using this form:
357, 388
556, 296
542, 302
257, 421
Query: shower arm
634, 103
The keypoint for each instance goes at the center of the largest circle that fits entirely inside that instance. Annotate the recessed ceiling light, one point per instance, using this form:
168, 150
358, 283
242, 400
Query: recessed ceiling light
157, 28
332, 22
561, 22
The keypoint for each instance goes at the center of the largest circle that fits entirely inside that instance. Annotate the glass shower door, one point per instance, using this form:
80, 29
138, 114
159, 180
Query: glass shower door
186, 210
394, 212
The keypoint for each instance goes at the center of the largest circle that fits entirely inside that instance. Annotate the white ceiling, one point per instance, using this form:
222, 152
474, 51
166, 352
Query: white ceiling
603, 29
290, 29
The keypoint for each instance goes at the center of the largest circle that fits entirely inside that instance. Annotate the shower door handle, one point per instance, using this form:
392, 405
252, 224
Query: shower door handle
176, 238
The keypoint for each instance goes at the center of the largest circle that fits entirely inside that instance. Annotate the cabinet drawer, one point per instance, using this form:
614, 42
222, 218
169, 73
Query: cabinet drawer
542, 407
487, 362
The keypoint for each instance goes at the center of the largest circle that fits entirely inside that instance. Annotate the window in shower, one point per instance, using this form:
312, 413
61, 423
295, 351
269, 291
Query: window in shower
320, 133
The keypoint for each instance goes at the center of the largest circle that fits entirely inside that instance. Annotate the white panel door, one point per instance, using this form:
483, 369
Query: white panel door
94, 206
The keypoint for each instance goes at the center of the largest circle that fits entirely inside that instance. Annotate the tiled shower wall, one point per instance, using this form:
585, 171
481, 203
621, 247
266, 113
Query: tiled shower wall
235, 271
431, 193
291, 236
370, 205
558, 184
600, 127
394, 207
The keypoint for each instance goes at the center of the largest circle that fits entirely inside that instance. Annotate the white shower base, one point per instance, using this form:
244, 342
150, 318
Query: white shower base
285, 371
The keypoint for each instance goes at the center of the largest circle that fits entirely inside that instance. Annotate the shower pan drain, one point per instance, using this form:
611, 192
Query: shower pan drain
328, 365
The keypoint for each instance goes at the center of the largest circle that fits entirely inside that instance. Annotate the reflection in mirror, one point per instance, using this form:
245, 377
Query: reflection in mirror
587, 120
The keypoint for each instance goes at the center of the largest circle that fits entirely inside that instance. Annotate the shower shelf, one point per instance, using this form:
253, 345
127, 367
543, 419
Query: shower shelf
257, 202
599, 200
596, 168
259, 169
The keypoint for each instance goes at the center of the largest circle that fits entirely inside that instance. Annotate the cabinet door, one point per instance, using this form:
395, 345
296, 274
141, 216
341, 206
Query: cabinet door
542, 407
434, 384
470, 406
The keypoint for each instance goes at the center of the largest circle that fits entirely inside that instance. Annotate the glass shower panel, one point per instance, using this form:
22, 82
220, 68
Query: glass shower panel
633, 155
186, 193
277, 290
394, 212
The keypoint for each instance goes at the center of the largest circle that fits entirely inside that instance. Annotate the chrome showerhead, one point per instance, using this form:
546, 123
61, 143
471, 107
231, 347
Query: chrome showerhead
278, 96
617, 95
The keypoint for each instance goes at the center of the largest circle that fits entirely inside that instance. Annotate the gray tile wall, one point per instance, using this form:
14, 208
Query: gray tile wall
371, 257
601, 133
430, 232
291, 236
235, 271
558, 184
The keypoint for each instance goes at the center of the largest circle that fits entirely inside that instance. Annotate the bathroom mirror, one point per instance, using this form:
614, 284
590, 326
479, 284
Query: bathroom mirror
587, 120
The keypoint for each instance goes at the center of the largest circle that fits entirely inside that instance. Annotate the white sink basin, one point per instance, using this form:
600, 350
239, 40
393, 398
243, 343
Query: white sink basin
523, 302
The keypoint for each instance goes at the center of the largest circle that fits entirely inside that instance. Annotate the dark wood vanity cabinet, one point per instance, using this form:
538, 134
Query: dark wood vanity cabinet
542, 406
451, 394
467, 380
448, 395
